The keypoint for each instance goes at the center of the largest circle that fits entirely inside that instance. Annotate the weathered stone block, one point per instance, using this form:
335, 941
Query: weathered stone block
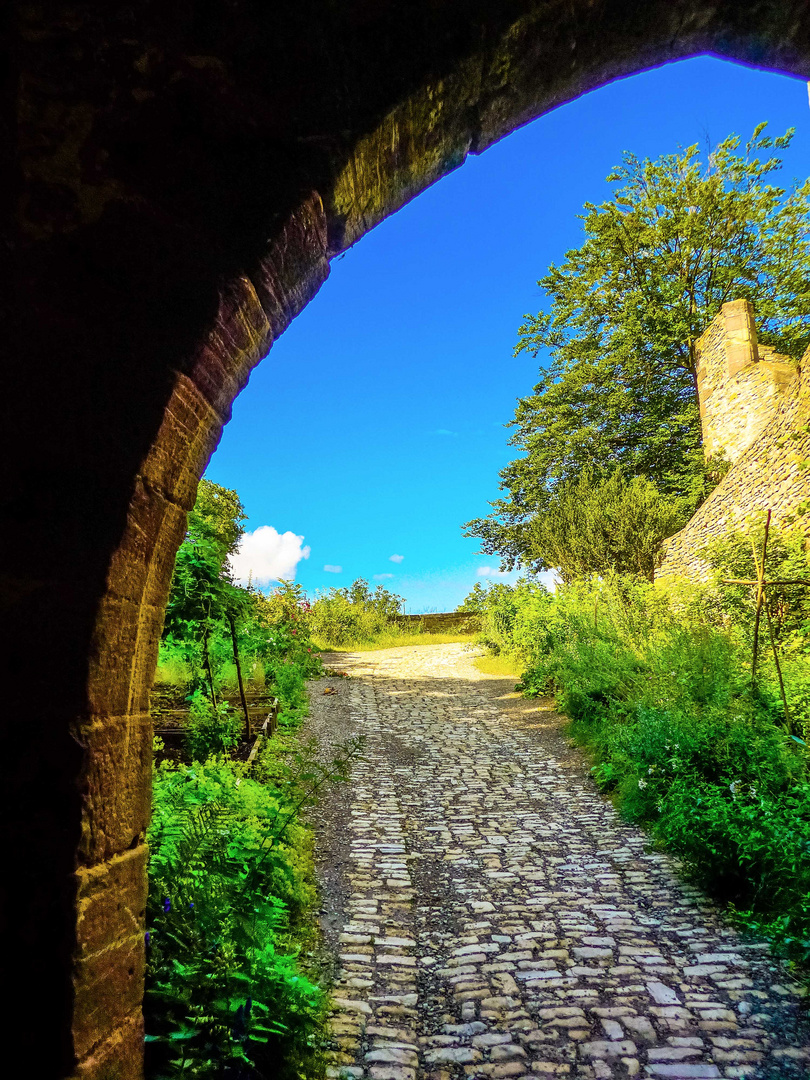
117, 785
186, 439
108, 992
240, 337
118, 1056
111, 901
295, 265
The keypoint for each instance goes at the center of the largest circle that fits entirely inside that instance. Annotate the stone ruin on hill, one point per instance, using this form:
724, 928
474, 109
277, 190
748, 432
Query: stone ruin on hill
754, 413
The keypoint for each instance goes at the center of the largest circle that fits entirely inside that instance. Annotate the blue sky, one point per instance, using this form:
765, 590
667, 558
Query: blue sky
374, 427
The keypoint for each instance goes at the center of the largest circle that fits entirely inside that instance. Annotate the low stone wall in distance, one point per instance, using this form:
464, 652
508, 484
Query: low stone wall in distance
443, 622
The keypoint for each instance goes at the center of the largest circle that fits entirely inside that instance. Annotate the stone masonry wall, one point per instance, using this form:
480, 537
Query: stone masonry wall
443, 622
740, 383
759, 416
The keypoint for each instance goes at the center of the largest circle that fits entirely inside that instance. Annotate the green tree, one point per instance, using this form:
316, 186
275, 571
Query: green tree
679, 238
601, 527
218, 513
202, 596
201, 573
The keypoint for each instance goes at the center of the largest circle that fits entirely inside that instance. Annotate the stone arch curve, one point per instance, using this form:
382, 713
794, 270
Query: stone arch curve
183, 176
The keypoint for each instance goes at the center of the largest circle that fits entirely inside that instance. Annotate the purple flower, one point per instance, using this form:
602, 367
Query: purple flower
167, 905
147, 937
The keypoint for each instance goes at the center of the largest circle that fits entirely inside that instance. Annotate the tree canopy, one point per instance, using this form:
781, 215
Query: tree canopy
680, 237
202, 589
613, 526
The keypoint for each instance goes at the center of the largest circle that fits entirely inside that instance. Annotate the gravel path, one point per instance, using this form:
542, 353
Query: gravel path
490, 916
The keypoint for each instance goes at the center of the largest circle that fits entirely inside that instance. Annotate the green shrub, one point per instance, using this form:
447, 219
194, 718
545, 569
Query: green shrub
601, 525
209, 730
355, 614
230, 892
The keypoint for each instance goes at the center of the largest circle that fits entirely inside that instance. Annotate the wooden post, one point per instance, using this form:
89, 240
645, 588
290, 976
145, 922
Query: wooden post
762, 585
232, 624
778, 667
207, 666
760, 569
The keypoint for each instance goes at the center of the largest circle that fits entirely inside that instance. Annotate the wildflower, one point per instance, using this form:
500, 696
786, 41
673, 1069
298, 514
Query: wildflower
753, 791
733, 787
147, 938
651, 770
642, 783
167, 905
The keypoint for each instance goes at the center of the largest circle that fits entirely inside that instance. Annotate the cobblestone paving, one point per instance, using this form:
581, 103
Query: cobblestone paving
492, 916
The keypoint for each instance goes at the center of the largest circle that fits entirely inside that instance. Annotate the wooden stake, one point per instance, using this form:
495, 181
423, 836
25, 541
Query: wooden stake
232, 624
762, 585
760, 568
207, 666
778, 667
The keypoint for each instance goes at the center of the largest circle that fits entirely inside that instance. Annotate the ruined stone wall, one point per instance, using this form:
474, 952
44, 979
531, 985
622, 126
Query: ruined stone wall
740, 383
757, 411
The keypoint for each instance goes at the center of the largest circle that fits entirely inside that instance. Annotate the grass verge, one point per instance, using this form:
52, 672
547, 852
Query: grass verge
508, 667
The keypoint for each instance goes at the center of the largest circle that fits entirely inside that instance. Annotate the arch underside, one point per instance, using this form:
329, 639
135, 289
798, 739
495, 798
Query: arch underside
184, 178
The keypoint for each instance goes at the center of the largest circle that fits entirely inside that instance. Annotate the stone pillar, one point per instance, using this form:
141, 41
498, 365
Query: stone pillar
741, 336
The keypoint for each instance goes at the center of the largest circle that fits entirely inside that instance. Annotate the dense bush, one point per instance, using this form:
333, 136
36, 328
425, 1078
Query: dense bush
211, 729
657, 684
356, 614
599, 525
230, 886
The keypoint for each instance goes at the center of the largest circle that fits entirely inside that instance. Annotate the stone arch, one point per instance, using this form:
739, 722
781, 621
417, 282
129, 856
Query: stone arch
184, 175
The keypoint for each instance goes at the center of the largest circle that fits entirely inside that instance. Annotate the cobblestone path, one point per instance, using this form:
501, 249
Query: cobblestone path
491, 916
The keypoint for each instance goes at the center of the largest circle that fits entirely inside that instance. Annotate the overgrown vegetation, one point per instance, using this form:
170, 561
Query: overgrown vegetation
230, 899
219, 636
231, 887
657, 683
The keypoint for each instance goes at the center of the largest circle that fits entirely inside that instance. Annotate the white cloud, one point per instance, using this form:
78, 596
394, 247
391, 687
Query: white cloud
382, 577
265, 555
444, 431
333, 569
550, 578
395, 558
